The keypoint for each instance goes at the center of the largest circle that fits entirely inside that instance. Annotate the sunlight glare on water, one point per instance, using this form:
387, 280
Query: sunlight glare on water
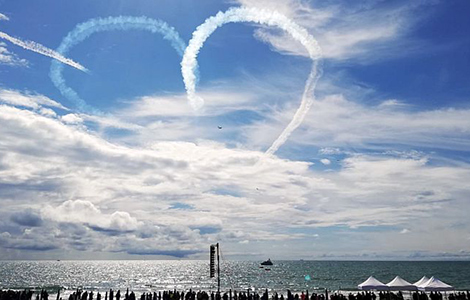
141, 276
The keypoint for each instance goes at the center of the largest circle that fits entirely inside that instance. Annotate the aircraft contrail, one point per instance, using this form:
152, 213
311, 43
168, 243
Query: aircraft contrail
83, 30
38, 48
263, 17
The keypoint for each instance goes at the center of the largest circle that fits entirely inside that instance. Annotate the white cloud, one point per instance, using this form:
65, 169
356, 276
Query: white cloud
301, 11
85, 212
3, 17
344, 31
47, 112
29, 100
330, 151
9, 58
336, 122
217, 102
128, 197
71, 119
174, 182
157, 118
392, 103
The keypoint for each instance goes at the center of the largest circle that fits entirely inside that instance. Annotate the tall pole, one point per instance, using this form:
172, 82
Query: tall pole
218, 269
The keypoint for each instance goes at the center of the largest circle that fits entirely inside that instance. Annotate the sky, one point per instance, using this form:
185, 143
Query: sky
103, 154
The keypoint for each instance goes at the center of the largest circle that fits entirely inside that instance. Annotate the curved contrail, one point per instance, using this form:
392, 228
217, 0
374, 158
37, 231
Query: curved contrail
83, 30
38, 48
264, 17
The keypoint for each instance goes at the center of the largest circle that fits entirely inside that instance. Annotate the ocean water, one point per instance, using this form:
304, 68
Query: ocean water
143, 276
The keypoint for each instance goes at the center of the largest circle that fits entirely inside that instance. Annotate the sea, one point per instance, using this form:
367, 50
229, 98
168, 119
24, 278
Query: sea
157, 275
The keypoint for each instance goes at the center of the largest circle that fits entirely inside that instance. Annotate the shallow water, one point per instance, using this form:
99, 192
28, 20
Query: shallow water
159, 275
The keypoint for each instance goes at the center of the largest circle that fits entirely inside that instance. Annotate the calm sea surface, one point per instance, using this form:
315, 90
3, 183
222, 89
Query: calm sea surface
159, 275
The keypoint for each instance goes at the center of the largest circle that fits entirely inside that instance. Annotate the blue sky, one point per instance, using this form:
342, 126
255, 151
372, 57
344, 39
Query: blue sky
377, 169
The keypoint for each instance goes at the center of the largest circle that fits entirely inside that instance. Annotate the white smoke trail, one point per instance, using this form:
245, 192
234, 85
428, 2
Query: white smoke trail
38, 48
83, 30
264, 17
3, 17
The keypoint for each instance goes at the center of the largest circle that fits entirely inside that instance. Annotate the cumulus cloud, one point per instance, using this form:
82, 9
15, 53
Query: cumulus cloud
94, 195
85, 212
71, 119
27, 218
28, 241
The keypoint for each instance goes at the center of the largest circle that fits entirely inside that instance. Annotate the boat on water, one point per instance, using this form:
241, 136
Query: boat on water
267, 262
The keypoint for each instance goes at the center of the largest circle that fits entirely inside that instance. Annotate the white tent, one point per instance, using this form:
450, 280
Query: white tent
434, 284
421, 281
372, 284
399, 284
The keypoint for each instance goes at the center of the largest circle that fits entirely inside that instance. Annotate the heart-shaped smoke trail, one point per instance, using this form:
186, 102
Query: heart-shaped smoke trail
38, 48
263, 17
83, 30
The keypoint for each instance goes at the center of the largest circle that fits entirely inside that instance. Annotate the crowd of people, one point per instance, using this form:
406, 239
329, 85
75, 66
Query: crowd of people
23, 295
439, 296
230, 295
457, 296
166, 295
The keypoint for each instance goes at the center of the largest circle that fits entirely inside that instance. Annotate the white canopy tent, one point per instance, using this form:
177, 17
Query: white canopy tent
423, 280
399, 284
372, 284
434, 284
